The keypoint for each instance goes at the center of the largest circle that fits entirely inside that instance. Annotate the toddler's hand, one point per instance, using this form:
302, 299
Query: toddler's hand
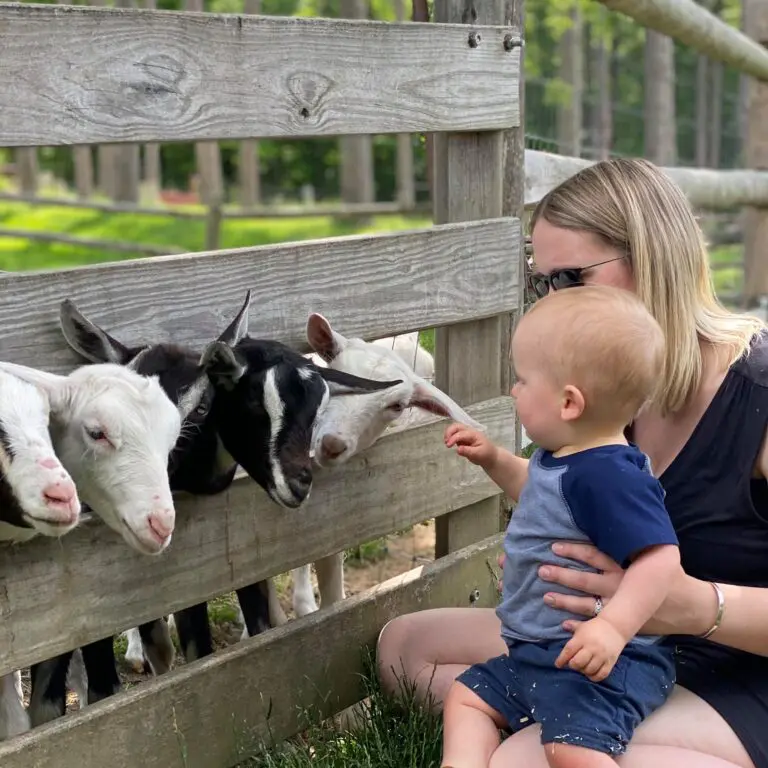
593, 650
472, 444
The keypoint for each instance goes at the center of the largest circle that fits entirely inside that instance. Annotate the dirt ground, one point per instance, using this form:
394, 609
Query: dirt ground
365, 567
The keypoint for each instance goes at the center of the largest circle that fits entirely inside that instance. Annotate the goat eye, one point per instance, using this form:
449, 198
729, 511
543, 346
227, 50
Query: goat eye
98, 435
201, 409
399, 407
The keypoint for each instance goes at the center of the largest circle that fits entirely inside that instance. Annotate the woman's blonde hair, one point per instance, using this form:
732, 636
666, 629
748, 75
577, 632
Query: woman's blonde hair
635, 207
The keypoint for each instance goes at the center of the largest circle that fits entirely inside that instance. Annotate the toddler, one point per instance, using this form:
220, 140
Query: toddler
586, 361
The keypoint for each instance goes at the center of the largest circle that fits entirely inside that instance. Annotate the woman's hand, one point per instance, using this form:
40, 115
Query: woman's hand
673, 617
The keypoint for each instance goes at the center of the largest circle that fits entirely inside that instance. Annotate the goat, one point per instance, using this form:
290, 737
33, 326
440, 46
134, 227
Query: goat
37, 497
113, 430
288, 394
350, 425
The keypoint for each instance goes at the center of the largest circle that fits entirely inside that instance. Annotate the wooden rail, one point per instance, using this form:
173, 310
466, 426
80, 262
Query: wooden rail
692, 24
216, 711
705, 188
419, 279
166, 76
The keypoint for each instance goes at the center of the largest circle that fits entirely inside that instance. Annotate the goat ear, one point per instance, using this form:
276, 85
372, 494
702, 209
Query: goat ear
87, 339
323, 339
56, 388
430, 398
341, 383
221, 364
238, 328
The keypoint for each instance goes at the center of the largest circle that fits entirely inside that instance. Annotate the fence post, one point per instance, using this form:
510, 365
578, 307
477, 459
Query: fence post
756, 151
513, 204
468, 184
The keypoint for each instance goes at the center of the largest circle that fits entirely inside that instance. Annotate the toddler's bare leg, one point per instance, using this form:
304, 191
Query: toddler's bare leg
572, 756
470, 729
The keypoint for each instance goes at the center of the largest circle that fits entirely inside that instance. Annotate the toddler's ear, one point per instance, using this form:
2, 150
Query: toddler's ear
572, 404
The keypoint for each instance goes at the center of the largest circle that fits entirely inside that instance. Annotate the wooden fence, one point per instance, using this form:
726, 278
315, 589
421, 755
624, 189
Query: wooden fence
94, 75
99, 75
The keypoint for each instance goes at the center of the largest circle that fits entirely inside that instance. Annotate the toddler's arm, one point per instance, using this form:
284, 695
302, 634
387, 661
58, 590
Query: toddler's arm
508, 471
642, 589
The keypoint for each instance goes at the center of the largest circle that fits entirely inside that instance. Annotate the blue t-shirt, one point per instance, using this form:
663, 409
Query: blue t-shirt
605, 495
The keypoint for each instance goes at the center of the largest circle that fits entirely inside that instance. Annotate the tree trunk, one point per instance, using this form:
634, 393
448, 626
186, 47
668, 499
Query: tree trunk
601, 114
27, 169
249, 177
356, 152
569, 115
207, 154
151, 172
659, 91
702, 110
406, 189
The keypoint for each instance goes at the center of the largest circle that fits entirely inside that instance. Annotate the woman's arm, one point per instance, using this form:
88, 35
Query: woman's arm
689, 609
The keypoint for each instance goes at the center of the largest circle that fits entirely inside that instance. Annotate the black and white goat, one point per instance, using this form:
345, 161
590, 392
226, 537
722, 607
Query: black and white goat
252, 402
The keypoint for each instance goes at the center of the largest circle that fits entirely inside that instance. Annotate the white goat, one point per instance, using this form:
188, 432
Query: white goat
37, 497
113, 430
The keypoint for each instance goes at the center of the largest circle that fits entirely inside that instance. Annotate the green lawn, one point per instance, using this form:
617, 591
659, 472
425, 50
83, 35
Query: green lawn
18, 255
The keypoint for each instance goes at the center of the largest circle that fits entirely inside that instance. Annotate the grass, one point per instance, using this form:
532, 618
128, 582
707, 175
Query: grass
18, 255
398, 733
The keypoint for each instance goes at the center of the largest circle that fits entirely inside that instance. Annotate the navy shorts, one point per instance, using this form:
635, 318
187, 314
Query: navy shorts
526, 687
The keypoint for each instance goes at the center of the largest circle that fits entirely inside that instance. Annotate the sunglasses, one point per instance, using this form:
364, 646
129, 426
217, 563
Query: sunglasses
569, 277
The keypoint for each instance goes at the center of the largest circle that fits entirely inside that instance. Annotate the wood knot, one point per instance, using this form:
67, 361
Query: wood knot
474, 39
308, 90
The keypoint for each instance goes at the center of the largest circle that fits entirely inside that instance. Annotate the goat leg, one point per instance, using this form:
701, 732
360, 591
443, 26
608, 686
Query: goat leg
158, 646
330, 578
101, 668
48, 698
194, 631
254, 604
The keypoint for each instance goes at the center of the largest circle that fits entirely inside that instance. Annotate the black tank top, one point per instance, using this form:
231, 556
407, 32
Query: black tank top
720, 514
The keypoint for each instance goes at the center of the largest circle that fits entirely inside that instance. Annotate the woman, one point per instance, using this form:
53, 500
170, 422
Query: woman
625, 223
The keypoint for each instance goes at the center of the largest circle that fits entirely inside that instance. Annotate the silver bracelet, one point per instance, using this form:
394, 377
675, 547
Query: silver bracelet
720, 610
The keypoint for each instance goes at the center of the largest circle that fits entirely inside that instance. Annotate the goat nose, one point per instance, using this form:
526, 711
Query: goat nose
301, 483
161, 524
62, 494
333, 446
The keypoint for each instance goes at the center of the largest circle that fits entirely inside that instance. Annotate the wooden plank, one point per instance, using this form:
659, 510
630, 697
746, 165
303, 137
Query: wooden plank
77, 75
210, 712
469, 171
705, 188
414, 280
691, 24
229, 540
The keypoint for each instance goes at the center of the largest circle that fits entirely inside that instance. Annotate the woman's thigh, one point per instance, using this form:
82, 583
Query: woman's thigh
685, 733
432, 647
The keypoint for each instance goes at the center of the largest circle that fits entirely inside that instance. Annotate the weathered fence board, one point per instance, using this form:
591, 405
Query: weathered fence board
76, 75
229, 540
215, 711
705, 188
413, 279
